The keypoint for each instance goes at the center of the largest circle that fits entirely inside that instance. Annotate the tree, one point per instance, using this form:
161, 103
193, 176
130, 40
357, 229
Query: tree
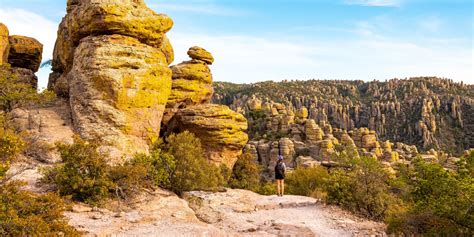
245, 174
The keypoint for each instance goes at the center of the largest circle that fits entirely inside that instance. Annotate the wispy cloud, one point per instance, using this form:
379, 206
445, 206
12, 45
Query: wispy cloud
207, 8
374, 3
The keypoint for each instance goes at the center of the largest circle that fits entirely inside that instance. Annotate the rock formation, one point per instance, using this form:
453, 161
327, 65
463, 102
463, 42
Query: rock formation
221, 130
192, 82
22, 53
4, 44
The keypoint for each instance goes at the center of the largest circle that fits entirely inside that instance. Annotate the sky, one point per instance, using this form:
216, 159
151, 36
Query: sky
261, 40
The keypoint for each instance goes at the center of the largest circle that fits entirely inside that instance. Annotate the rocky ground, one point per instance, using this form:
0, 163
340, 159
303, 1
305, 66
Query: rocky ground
230, 213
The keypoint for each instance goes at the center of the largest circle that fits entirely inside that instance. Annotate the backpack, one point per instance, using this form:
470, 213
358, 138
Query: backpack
280, 168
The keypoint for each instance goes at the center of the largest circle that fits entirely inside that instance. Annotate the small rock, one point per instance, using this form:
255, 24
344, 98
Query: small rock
119, 214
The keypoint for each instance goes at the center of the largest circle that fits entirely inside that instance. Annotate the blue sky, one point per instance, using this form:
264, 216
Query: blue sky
259, 40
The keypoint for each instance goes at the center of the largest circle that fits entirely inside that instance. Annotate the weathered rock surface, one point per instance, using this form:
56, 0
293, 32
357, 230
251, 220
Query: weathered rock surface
199, 53
191, 85
4, 44
104, 17
26, 76
118, 91
221, 130
248, 214
25, 52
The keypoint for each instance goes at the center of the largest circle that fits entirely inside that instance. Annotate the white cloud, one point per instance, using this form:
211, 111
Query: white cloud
374, 3
26, 23
244, 59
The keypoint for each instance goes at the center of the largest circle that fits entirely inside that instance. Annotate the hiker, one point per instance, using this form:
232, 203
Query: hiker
280, 170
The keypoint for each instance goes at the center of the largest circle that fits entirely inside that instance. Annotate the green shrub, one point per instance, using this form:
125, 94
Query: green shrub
179, 164
245, 174
266, 188
440, 202
83, 173
128, 179
307, 182
17, 93
363, 189
23, 213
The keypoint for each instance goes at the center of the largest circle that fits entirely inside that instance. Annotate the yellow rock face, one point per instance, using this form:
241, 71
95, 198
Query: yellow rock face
192, 85
25, 52
105, 17
221, 130
118, 91
199, 53
4, 45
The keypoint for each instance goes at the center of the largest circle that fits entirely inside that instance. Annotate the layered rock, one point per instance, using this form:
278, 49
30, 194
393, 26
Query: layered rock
111, 60
4, 44
192, 82
118, 91
22, 53
25, 52
221, 130
105, 17
313, 131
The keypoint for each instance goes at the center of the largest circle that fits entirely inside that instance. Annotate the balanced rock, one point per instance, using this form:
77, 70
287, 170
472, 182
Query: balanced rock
191, 85
201, 54
25, 52
118, 91
4, 44
221, 130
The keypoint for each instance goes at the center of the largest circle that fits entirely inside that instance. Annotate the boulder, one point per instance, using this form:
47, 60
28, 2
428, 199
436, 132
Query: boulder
4, 44
107, 17
26, 76
201, 54
221, 130
25, 52
287, 150
118, 91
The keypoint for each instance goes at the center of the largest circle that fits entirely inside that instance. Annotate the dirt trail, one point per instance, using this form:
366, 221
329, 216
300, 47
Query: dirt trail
230, 213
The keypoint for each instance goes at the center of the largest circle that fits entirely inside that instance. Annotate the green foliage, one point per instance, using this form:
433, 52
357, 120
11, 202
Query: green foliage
363, 189
440, 202
192, 170
83, 174
178, 163
266, 188
23, 213
307, 181
15, 93
245, 174
11, 144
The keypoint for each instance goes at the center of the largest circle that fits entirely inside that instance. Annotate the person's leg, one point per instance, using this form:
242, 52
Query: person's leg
278, 187
282, 187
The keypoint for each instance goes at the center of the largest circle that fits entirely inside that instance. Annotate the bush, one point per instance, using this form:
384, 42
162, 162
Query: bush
363, 189
17, 93
23, 213
179, 164
245, 174
307, 182
11, 144
83, 174
440, 202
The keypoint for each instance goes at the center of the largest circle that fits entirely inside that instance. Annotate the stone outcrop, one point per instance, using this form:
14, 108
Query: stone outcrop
221, 130
25, 52
102, 17
191, 85
118, 91
4, 44
111, 61
22, 53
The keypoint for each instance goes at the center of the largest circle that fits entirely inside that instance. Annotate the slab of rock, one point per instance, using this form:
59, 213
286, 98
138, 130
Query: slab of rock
118, 91
25, 52
4, 44
25, 76
199, 53
191, 85
221, 130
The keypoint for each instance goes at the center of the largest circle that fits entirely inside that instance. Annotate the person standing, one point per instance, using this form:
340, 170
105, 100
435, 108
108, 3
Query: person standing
280, 170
